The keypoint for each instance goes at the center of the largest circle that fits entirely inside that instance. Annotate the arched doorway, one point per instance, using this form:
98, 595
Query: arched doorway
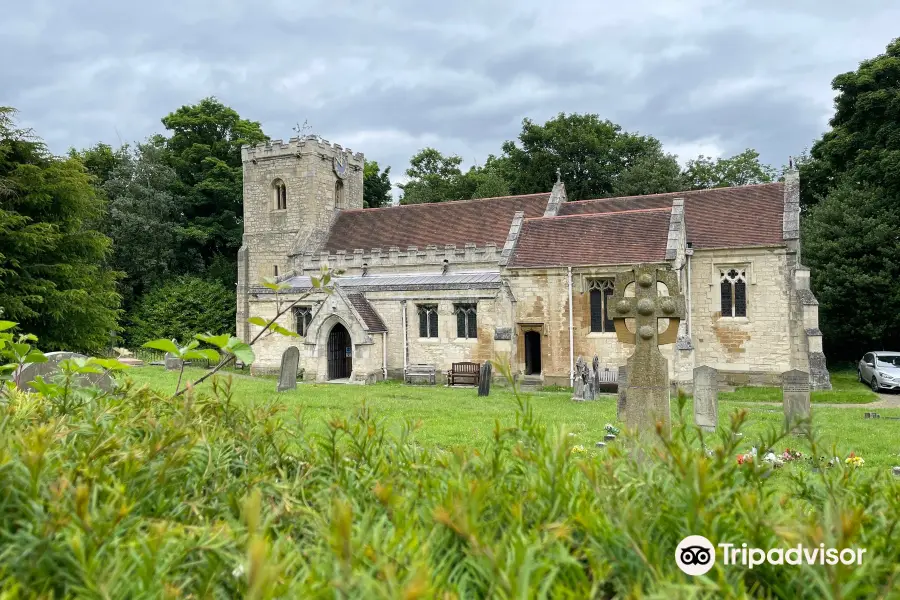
532, 353
340, 353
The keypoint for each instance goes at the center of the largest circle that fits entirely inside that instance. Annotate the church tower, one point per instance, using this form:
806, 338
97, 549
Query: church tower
292, 192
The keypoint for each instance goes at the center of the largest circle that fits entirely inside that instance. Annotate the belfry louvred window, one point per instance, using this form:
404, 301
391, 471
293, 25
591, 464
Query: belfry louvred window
280, 193
466, 321
428, 321
733, 288
600, 290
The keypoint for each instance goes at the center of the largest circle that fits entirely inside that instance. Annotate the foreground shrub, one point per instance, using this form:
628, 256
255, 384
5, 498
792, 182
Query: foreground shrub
135, 495
180, 309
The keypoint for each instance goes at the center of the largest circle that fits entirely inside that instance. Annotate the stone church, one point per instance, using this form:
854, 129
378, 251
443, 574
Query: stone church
523, 279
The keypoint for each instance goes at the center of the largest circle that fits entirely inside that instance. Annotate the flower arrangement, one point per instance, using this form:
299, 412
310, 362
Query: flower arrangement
578, 449
610, 428
855, 461
789, 455
745, 458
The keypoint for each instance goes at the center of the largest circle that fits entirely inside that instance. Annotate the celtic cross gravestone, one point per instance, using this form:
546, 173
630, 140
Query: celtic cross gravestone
647, 387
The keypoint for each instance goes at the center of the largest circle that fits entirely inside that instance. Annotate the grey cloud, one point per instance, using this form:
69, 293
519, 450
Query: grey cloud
458, 76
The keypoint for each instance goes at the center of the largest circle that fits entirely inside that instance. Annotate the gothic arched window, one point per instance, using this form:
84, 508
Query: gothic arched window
279, 194
339, 194
601, 290
733, 283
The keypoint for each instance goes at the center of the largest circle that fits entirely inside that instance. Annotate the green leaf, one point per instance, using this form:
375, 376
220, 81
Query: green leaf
279, 329
21, 350
258, 321
164, 345
4, 325
191, 345
243, 352
110, 364
205, 354
35, 356
219, 341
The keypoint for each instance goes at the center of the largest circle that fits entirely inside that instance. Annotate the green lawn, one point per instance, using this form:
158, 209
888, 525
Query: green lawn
847, 390
458, 416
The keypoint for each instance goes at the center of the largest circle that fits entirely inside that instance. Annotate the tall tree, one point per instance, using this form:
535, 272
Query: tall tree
142, 219
864, 140
204, 148
740, 169
849, 187
433, 177
376, 185
53, 279
592, 155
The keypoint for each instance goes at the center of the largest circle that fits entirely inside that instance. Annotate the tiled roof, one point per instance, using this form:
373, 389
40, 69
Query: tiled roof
367, 312
750, 215
601, 238
461, 222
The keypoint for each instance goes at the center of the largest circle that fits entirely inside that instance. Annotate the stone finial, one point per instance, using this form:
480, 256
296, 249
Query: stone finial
558, 175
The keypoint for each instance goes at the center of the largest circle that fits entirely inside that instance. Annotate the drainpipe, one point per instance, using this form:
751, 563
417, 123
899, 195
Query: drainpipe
384, 354
689, 251
403, 324
571, 335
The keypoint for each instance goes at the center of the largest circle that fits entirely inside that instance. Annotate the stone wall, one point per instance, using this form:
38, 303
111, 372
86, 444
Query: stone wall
755, 348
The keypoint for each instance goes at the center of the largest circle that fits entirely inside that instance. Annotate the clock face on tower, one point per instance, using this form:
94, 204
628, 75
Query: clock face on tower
340, 165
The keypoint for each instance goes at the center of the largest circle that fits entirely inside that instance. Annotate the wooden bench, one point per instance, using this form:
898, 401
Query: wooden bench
609, 379
420, 371
466, 373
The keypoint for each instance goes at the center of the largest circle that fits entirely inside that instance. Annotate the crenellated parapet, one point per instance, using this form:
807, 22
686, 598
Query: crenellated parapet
411, 256
300, 146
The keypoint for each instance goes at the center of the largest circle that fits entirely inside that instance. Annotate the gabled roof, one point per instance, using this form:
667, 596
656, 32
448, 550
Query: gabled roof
733, 217
601, 238
480, 222
369, 316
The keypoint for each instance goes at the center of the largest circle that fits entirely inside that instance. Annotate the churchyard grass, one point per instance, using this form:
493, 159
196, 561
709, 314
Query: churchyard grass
846, 390
458, 417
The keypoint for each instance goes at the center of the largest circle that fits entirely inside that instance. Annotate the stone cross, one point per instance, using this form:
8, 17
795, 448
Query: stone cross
578, 391
795, 397
647, 391
290, 362
706, 398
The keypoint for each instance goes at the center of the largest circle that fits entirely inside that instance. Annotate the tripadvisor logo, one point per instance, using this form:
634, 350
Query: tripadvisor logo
696, 555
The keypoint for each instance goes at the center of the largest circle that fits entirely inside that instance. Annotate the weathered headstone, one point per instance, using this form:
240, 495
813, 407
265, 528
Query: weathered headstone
795, 395
290, 361
173, 363
595, 374
50, 369
590, 391
622, 382
706, 398
647, 391
578, 391
484, 379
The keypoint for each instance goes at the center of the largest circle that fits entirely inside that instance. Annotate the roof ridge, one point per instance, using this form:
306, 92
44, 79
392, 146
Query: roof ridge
462, 201
701, 191
603, 214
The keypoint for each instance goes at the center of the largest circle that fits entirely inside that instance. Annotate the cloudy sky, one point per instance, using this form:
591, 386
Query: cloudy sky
390, 77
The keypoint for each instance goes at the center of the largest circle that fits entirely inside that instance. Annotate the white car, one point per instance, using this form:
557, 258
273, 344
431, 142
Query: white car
881, 370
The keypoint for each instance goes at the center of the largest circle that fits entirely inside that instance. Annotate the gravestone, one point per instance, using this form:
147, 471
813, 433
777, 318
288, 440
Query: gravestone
622, 383
590, 391
49, 370
290, 361
795, 395
578, 391
484, 379
595, 374
173, 363
647, 391
706, 398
